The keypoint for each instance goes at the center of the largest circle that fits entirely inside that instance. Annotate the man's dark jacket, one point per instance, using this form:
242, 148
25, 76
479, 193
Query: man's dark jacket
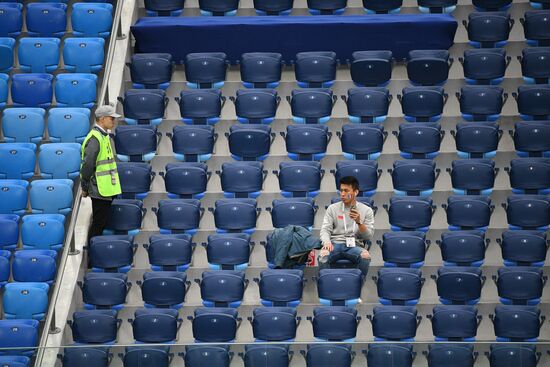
291, 246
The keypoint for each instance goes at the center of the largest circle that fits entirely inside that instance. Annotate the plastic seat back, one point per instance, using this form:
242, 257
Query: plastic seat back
335, 323
235, 215
205, 70
242, 179
84, 55
32, 90
193, 143
299, 179
94, 326
315, 69
371, 68
11, 19
459, 285
17, 160
261, 69
306, 142
428, 67
484, 66
25, 300
222, 288
59, 160
92, 19
13, 196
366, 172
422, 104
400, 210
405, 249
46, 20
200, 107
488, 29
249, 142
363, 141
136, 143
43, 231
170, 252
281, 287
51, 196
135, 179
185, 180
228, 251
394, 323
38, 55
368, 104
151, 70
155, 325
473, 176
178, 215
68, 125
462, 248
454, 323
339, 287
111, 253
476, 139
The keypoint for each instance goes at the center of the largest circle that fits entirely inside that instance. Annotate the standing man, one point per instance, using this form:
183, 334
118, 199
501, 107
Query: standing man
347, 225
98, 172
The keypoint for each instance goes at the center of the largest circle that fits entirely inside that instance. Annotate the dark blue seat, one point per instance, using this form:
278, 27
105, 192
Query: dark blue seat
11, 19
311, 106
170, 252
335, 323
281, 287
437, 6
151, 70
125, 217
46, 20
326, 7
382, 6
306, 142
316, 69
212, 355
388, 354
13, 196
51, 196
4, 79
366, 172
94, 326
401, 215
476, 139
43, 231
185, 180
93, 357
19, 334
429, 67
523, 248
242, 179
32, 90
394, 323
228, 251
200, 107
300, 179
92, 19
144, 106
218, 8
414, 177
135, 179
454, 323
34, 266
419, 140
249, 142
293, 211
274, 324
533, 102
178, 216
215, 324
510, 355
9, 235
136, 143
261, 69
256, 106
520, 285
422, 104
83, 55
535, 65
451, 355
484, 66
38, 55
235, 215
492, 5
206, 70
528, 212
266, 355
111, 253
147, 356
339, 287
371, 68
457, 285
399, 286
364, 141
68, 125
155, 325
278, 7
59, 160
530, 175
164, 289
368, 104
517, 323
7, 45
530, 139
473, 176
193, 143
326, 355
468, 212
26, 300
104, 290
156, 8
462, 248
535, 26
488, 29
222, 288
405, 249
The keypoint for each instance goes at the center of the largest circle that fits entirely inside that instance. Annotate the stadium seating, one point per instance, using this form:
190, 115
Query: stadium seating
23, 125
144, 107
200, 107
367, 104
371, 68
316, 69
261, 69
39, 55
257, 106
185, 180
151, 71
83, 55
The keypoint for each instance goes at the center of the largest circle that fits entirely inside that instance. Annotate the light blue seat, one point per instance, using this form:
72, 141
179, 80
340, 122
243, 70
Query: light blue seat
92, 19
23, 125
32, 90
84, 55
11, 19
46, 20
17, 160
76, 90
6, 54
25, 300
43, 231
59, 160
51, 196
38, 55
13, 196
68, 125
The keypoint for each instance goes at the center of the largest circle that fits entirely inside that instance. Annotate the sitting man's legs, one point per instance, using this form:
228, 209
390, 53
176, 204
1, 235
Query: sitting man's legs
357, 255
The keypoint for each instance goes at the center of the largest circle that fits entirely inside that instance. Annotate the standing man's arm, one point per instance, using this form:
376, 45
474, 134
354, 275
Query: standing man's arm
87, 171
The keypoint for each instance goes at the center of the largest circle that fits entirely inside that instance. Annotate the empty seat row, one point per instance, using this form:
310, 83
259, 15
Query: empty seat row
46, 196
38, 231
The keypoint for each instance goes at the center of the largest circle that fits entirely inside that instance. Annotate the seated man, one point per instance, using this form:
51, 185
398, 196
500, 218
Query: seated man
347, 225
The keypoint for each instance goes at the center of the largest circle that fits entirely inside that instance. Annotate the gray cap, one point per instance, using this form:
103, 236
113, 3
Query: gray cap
106, 110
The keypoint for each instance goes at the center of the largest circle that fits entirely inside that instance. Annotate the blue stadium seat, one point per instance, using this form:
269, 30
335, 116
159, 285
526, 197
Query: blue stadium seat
222, 288
468, 212
125, 217
473, 176
155, 325
185, 180
15, 361
256, 106
399, 286
335, 323
104, 290
228, 251
136, 143
266, 355
528, 212
535, 26
530, 139
274, 324
535, 66
451, 355
419, 140
241, 179
46, 20
178, 216
414, 177
454, 323
306, 142
59, 160
366, 172
43, 231
218, 8
164, 289
492, 5
144, 106
23, 125
9, 235
488, 29
364, 141
215, 324
5, 258
278, 7
25, 300
510, 355
316, 69
84, 55
520, 285
17, 160
170, 252
4, 78
517, 323
388, 354
339, 287
235, 215
156, 8
485, 66
6, 52
193, 143
476, 139
281, 287
51, 196
293, 211
371, 68
457, 285
437, 6
13, 196
249, 142
326, 7
75, 90
462, 248
68, 125
93, 357
200, 107
394, 323
32, 90
151, 70
94, 326
155, 356
523, 248
19, 334
300, 179
326, 355
212, 355
92, 19
429, 67
422, 104
533, 102
311, 106
261, 69
111, 253
135, 179
11, 19
38, 55
530, 175
205, 70
382, 6
368, 104
401, 215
